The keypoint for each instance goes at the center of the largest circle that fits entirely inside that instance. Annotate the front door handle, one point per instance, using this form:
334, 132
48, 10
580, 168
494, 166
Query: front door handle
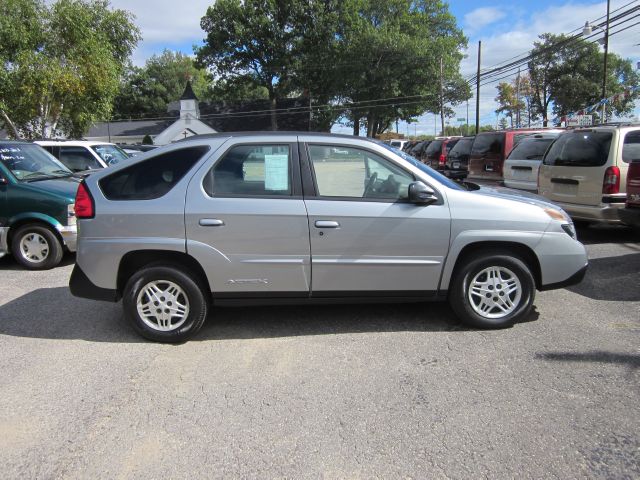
326, 224
210, 222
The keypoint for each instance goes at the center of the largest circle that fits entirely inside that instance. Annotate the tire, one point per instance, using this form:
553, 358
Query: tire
174, 302
503, 276
36, 247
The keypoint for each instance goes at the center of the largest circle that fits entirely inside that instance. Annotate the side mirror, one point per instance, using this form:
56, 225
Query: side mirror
420, 194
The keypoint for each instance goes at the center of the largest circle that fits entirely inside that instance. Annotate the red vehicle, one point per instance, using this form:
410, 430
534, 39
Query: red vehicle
489, 151
436, 153
631, 213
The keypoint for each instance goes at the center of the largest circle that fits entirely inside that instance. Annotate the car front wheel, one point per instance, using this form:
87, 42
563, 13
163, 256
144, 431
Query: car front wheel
165, 304
36, 247
493, 290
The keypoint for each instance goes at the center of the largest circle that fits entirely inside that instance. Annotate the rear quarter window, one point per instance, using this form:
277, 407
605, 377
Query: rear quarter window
488, 143
631, 147
153, 177
580, 149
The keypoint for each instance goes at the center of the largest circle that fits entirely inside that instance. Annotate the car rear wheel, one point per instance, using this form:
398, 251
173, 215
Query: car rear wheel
493, 290
165, 304
36, 247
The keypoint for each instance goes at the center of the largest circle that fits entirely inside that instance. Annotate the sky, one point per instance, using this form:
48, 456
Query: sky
507, 28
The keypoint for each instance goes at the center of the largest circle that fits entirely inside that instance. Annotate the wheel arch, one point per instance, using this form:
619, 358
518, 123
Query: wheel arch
522, 250
36, 219
135, 260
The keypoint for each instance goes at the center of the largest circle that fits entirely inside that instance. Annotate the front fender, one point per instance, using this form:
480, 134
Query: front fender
42, 217
464, 239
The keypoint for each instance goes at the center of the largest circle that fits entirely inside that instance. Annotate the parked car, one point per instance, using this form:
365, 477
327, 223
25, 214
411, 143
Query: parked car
489, 151
418, 148
37, 193
435, 155
80, 156
457, 164
230, 219
522, 164
585, 171
409, 145
631, 213
398, 143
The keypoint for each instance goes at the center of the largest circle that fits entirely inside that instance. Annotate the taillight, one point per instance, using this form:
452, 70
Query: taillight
443, 159
84, 202
611, 182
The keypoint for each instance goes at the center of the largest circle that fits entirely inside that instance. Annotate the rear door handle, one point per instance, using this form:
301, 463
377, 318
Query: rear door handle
210, 222
326, 224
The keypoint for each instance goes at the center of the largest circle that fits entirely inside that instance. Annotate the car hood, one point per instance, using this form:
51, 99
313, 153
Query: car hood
521, 196
62, 187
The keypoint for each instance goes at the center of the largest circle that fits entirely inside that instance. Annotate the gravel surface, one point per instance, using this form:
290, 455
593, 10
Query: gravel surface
362, 391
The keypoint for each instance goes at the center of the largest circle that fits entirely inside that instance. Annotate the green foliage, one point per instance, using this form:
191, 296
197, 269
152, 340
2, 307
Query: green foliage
148, 90
60, 68
567, 75
339, 52
147, 140
508, 102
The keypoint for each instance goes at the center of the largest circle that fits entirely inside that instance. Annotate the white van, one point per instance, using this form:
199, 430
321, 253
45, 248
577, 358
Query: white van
80, 156
585, 171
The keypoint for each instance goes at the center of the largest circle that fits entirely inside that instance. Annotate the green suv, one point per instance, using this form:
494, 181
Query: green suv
37, 193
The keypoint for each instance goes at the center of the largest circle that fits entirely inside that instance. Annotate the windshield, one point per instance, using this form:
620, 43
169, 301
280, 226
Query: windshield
28, 162
110, 153
531, 148
428, 170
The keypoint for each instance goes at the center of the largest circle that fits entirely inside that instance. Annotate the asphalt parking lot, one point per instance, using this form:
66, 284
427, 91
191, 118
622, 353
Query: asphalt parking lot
368, 391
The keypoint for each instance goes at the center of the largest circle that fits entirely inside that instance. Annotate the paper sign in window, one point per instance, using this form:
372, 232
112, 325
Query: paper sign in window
276, 172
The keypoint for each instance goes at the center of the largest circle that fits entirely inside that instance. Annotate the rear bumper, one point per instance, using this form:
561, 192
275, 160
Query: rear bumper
82, 287
602, 213
630, 216
521, 185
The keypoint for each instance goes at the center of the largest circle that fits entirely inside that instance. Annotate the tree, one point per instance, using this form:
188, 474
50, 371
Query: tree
347, 56
508, 102
566, 73
148, 90
60, 72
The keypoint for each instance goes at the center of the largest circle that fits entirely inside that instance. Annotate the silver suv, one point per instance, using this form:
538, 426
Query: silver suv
237, 219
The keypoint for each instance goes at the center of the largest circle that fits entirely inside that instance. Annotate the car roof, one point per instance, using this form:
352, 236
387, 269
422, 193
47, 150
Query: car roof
275, 134
72, 143
14, 142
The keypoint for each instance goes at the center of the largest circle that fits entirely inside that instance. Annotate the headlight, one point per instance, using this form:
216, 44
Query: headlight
561, 215
71, 214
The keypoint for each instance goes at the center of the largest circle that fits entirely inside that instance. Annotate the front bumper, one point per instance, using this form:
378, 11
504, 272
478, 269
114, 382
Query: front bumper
4, 247
69, 235
563, 260
630, 216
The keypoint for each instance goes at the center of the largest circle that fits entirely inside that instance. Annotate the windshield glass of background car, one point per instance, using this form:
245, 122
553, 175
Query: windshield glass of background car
433, 150
530, 148
487, 143
462, 147
28, 162
421, 166
579, 149
110, 153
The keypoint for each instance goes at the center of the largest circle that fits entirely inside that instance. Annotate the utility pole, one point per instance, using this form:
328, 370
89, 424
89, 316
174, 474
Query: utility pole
466, 129
518, 99
478, 89
604, 72
442, 96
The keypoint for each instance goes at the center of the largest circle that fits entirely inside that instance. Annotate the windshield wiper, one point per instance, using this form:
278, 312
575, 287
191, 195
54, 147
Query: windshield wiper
531, 157
33, 176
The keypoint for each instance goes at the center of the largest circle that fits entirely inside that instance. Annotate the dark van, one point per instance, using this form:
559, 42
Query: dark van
489, 151
37, 195
457, 164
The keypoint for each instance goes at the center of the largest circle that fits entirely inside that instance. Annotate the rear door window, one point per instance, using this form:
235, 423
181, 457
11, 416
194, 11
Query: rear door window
252, 170
153, 177
631, 147
579, 149
450, 145
461, 148
531, 148
488, 143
